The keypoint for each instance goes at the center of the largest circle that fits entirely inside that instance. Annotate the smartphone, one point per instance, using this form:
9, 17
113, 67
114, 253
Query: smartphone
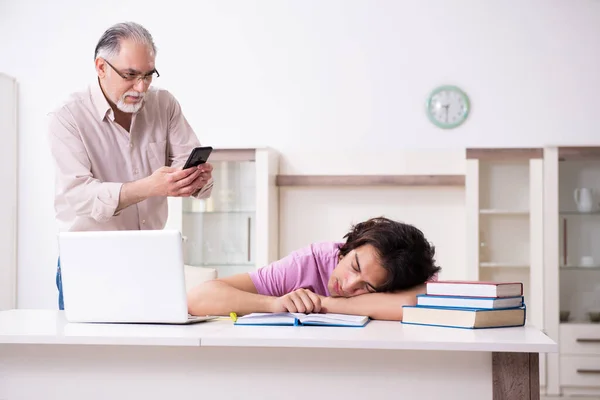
198, 156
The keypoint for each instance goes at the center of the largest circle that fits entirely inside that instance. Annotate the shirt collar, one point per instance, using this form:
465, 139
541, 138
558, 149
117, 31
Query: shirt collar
102, 106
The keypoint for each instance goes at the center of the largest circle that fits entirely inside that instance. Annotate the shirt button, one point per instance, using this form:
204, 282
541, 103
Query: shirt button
130, 144
136, 171
143, 221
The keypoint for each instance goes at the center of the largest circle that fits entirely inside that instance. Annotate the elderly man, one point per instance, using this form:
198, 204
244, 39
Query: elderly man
119, 145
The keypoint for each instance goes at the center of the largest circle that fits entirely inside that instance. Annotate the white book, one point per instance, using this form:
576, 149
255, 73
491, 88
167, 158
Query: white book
475, 288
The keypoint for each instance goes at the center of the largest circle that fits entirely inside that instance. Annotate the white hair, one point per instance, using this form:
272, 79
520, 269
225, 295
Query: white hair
109, 44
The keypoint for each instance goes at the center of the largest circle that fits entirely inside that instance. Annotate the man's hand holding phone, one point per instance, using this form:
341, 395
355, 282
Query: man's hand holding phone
172, 182
175, 182
169, 181
199, 159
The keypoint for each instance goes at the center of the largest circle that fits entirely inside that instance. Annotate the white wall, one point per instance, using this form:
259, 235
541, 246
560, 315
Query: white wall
294, 75
311, 214
329, 213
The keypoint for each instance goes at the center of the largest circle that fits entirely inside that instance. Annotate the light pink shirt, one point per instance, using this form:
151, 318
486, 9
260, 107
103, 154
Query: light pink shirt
307, 268
94, 156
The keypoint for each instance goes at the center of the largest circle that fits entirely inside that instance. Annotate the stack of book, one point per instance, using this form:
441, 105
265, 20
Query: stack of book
468, 304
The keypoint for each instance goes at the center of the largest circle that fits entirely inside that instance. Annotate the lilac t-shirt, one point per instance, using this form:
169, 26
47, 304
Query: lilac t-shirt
308, 268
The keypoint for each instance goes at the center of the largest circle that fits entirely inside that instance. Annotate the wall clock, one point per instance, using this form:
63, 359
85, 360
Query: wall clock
447, 106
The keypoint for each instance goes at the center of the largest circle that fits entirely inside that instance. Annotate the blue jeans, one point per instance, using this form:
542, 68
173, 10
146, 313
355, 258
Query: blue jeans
61, 303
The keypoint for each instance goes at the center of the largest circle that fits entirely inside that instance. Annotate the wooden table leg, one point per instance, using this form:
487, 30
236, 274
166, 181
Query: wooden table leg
516, 376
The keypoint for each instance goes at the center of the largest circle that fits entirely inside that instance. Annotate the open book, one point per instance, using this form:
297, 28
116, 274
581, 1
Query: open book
294, 319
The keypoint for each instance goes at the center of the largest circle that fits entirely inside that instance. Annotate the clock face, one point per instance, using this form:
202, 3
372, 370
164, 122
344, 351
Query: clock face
447, 107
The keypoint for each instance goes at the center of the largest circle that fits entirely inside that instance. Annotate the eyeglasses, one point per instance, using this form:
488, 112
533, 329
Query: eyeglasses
137, 77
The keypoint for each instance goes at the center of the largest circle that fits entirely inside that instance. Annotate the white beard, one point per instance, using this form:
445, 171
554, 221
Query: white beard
132, 107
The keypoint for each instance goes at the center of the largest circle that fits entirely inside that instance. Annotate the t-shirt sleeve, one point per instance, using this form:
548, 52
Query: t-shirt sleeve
278, 278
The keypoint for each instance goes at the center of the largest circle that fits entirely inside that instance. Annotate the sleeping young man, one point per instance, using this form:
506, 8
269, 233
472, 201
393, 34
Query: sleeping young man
382, 265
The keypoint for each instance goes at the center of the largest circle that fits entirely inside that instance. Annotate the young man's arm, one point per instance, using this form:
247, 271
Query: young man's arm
383, 306
273, 288
231, 294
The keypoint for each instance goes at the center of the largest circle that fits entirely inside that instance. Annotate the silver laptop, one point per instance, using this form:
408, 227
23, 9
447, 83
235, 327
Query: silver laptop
124, 277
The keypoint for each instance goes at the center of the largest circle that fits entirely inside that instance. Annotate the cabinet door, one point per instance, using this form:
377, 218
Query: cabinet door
219, 230
572, 262
536, 254
8, 180
551, 260
235, 230
267, 207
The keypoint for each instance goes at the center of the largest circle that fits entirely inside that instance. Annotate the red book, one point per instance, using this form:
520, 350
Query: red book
474, 288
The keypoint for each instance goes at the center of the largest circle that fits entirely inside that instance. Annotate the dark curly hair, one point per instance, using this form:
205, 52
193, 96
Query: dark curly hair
401, 248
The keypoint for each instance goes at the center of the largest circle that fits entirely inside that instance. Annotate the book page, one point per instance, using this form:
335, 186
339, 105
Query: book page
330, 317
266, 318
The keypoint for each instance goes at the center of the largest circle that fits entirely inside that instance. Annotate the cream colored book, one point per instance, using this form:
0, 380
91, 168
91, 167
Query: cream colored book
470, 318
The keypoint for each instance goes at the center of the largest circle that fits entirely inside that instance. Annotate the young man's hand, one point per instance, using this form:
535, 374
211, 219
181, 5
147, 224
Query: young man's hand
300, 300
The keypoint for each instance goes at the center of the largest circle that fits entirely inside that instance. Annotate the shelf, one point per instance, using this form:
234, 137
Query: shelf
233, 155
503, 265
578, 153
370, 180
577, 267
495, 211
224, 265
579, 213
504, 154
219, 212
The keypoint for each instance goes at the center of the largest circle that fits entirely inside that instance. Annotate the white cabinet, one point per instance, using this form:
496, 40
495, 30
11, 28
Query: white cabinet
572, 268
524, 223
236, 229
504, 212
8, 181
